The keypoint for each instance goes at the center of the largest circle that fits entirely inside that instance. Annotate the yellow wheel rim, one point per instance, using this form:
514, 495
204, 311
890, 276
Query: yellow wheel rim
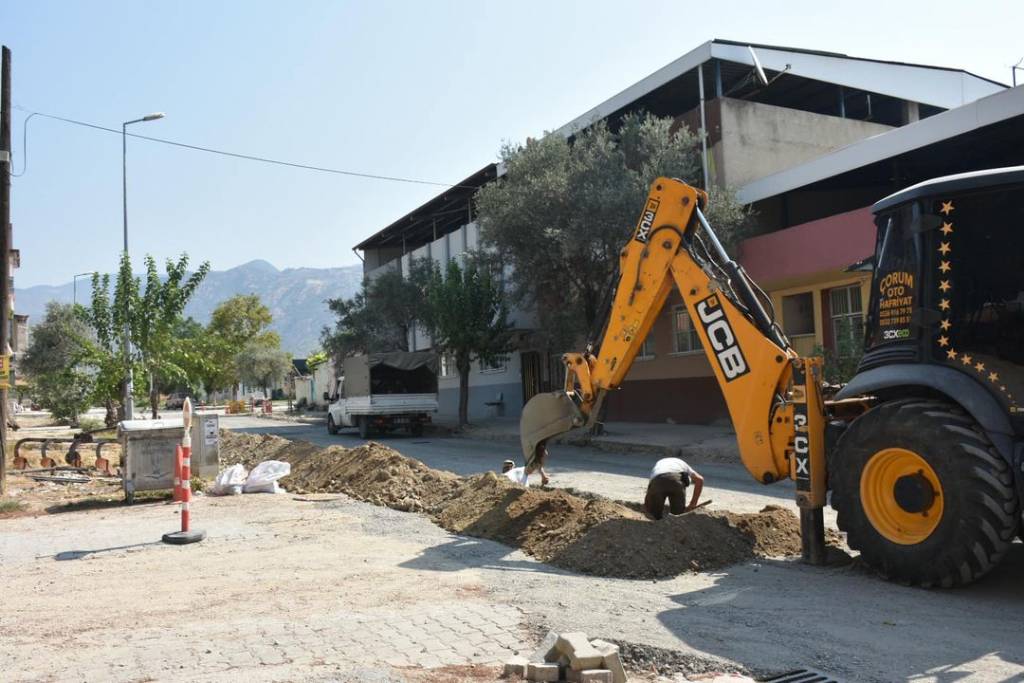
901, 495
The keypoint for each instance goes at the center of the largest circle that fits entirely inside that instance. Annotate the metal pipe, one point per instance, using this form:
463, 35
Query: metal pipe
703, 127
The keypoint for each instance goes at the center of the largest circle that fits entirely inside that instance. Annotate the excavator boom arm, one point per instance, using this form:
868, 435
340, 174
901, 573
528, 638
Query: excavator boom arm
750, 357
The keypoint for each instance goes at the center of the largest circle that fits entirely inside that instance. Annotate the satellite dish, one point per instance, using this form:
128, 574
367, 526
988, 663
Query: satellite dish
758, 69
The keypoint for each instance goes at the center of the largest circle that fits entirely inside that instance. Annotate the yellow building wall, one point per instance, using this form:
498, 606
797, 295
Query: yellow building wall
805, 344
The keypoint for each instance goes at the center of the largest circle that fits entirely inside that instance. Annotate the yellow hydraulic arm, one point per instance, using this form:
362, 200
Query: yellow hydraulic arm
773, 395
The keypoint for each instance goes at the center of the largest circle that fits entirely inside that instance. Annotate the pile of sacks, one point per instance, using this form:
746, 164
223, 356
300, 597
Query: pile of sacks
569, 657
262, 479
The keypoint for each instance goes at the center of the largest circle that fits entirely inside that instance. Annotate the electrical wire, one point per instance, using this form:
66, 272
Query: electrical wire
24, 144
247, 157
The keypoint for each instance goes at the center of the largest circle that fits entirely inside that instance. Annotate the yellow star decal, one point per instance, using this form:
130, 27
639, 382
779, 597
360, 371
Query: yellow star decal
947, 208
951, 354
944, 304
1003, 388
946, 228
945, 325
945, 248
945, 286
965, 359
945, 267
993, 377
980, 367
943, 340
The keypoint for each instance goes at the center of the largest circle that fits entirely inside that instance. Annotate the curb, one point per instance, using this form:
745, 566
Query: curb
694, 452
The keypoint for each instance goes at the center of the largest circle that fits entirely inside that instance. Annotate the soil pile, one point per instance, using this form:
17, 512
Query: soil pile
583, 533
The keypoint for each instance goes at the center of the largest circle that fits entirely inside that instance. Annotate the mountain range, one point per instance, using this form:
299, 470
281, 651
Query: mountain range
296, 297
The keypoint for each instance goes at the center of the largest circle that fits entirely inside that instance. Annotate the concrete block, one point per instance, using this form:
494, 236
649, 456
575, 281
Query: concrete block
515, 668
611, 659
546, 651
582, 655
572, 676
541, 672
595, 676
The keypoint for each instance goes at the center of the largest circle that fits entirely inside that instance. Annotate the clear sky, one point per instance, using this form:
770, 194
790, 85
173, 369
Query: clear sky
420, 89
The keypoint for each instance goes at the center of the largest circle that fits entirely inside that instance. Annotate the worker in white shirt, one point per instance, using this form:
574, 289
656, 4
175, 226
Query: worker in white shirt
519, 475
669, 479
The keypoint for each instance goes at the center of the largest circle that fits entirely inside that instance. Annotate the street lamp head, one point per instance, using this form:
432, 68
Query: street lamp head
154, 116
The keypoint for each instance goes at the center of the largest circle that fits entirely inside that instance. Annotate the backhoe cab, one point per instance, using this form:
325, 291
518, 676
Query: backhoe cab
923, 452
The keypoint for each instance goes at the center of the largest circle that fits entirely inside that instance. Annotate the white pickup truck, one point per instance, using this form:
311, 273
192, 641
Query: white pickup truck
384, 391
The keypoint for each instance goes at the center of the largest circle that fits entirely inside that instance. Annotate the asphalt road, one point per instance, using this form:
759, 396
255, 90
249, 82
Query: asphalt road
616, 475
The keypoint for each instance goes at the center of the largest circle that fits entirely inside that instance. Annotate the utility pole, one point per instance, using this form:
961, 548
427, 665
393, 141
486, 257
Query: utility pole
5, 245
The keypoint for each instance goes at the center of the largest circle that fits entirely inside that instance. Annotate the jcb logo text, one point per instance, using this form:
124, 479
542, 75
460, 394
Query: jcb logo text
723, 341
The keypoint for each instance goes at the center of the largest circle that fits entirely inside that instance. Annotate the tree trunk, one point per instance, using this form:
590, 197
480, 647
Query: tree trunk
462, 362
122, 415
110, 419
154, 397
234, 391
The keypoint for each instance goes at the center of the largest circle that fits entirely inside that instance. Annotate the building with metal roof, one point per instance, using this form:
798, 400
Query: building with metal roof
781, 124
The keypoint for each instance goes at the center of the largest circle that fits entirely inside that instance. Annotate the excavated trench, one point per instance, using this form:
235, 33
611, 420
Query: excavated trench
583, 533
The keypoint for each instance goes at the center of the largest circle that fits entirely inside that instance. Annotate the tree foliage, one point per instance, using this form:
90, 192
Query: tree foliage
59, 363
236, 322
262, 365
160, 354
466, 316
379, 317
564, 208
156, 323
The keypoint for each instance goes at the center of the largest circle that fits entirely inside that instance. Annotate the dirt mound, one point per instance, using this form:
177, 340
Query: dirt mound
584, 533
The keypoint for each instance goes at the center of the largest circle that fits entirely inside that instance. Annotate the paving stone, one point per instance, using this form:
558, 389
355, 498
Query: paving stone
546, 648
595, 676
582, 655
610, 659
515, 668
542, 672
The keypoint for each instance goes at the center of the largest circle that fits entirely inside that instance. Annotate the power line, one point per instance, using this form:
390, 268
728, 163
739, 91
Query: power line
238, 155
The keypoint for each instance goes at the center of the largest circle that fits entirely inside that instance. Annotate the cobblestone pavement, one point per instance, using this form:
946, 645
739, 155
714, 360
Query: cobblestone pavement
94, 599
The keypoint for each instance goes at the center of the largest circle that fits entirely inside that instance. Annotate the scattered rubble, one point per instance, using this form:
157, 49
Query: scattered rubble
585, 534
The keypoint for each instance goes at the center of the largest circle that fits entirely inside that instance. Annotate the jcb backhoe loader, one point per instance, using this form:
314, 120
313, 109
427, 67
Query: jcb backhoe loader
923, 449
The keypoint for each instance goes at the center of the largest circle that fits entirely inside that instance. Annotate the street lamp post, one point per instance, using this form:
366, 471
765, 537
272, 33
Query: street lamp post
129, 401
74, 286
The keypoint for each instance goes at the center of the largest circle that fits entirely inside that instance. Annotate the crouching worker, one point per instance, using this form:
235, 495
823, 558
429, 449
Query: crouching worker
519, 475
669, 479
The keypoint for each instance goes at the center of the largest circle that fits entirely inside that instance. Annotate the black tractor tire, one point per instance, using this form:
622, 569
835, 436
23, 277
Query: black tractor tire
331, 427
363, 423
979, 504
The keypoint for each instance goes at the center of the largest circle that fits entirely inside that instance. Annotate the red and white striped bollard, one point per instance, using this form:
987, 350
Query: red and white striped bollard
183, 481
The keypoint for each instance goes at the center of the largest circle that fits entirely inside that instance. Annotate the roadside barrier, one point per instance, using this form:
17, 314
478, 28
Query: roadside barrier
183, 484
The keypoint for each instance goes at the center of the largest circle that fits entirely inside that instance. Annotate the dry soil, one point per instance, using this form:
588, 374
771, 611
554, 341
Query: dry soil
586, 534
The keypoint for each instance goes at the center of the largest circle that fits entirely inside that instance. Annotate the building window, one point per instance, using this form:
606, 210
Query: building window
847, 315
647, 348
497, 364
798, 314
684, 337
447, 363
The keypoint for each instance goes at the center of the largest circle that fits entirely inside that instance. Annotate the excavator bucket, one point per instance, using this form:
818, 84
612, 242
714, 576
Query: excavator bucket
544, 416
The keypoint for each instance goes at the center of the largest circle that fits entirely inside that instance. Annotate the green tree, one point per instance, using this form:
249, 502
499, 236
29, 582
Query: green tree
234, 323
315, 360
156, 320
262, 365
58, 362
466, 316
564, 208
379, 317
154, 316
107, 352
